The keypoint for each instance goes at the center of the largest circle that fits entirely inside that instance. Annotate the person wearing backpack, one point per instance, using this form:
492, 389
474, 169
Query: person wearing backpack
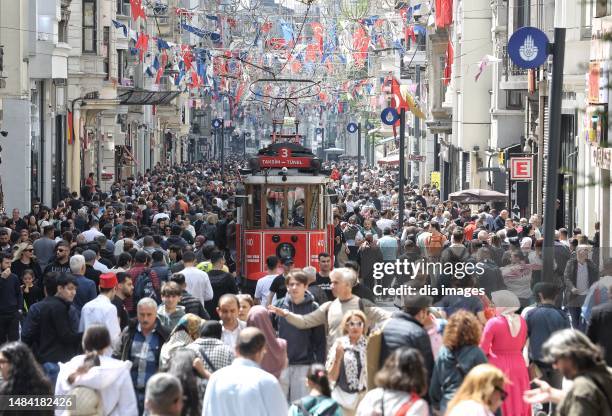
400, 384
146, 282
318, 402
435, 242
459, 354
101, 385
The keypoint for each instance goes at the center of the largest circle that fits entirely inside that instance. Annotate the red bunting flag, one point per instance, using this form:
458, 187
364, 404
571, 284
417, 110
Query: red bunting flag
137, 10
448, 65
69, 134
265, 28
187, 57
409, 34
317, 34
444, 13
361, 41
142, 44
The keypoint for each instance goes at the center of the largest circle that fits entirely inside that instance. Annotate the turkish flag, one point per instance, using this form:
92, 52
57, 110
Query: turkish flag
444, 13
137, 10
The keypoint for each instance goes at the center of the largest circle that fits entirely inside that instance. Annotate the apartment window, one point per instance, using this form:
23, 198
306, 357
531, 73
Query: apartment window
123, 7
514, 99
586, 11
602, 8
106, 51
89, 26
521, 13
121, 65
62, 31
443, 85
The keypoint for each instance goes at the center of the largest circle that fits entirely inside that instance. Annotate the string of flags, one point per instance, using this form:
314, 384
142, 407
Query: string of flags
218, 70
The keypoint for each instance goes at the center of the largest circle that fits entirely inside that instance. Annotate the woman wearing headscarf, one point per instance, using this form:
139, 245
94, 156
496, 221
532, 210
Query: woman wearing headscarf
275, 360
186, 331
503, 339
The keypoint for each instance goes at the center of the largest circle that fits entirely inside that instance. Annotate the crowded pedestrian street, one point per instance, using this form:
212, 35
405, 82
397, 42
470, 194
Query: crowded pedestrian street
305, 208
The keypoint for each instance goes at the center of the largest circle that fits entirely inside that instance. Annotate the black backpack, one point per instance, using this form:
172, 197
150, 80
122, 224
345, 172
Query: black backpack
144, 287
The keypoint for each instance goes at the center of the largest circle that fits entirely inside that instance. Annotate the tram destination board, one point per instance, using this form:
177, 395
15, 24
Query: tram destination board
284, 158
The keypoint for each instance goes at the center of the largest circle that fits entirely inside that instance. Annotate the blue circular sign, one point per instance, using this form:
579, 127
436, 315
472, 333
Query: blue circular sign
217, 123
528, 47
351, 127
318, 130
389, 116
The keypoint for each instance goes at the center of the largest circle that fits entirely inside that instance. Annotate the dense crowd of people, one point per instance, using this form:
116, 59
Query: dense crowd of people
130, 301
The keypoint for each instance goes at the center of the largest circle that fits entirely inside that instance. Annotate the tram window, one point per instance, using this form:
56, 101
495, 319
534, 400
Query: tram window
255, 217
315, 207
296, 206
275, 204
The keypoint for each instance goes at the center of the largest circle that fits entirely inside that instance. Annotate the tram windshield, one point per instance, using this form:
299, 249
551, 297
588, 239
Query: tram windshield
285, 206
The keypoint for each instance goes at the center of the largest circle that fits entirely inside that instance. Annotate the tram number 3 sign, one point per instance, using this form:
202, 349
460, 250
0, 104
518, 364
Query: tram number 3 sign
284, 159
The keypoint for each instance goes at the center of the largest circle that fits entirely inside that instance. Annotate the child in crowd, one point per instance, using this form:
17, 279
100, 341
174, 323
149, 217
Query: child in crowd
170, 312
246, 303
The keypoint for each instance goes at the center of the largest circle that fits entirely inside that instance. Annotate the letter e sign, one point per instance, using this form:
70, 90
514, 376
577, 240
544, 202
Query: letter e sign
521, 168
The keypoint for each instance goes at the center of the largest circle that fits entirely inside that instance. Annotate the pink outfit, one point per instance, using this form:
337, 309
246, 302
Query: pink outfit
505, 352
275, 359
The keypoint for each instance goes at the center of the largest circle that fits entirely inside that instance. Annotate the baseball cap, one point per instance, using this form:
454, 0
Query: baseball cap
89, 255
287, 261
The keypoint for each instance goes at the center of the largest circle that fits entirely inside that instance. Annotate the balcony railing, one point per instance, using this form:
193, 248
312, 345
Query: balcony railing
510, 70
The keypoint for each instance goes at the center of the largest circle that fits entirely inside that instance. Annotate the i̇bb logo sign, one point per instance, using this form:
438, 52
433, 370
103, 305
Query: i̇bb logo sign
521, 168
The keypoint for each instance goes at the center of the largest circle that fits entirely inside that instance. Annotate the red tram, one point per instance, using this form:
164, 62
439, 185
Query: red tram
284, 210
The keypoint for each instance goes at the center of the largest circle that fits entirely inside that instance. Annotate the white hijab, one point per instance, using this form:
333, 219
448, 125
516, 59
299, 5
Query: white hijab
506, 304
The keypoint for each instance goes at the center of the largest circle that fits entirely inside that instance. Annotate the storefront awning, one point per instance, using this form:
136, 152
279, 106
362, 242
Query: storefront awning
385, 140
145, 97
389, 160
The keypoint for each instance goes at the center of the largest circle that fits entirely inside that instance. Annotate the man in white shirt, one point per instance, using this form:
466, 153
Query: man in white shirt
100, 310
263, 285
243, 388
93, 232
228, 308
197, 281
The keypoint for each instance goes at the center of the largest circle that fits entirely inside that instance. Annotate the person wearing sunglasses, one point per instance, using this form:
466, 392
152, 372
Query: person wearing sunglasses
61, 262
346, 362
481, 393
23, 259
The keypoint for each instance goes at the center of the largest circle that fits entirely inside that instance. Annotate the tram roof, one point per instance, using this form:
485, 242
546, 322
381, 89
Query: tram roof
291, 180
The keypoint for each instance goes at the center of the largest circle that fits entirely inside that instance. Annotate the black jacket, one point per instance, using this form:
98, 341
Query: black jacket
57, 341
126, 339
11, 298
221, 283
402, 330
193, 305
93, 275
598, 330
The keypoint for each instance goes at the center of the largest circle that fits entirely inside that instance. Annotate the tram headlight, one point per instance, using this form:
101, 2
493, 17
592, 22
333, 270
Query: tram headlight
285, 250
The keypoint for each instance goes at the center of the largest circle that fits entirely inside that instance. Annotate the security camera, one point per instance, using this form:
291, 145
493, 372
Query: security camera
4, 133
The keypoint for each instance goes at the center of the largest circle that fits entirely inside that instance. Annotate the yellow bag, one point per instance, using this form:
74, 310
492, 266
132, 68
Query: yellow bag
373, 350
